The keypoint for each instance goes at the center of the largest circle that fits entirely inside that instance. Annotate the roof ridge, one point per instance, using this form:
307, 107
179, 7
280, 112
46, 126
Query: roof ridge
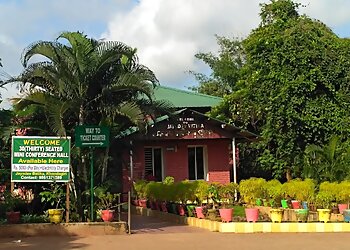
189, 92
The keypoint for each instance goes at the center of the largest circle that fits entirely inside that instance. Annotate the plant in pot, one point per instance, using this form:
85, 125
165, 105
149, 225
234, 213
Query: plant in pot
202, 192
140, 189
11, 204
106, 203
250, 190
54, 196
343, 197
290, 191
213, 201
190, 193
305, 194
274, 192
227, 194
324, 200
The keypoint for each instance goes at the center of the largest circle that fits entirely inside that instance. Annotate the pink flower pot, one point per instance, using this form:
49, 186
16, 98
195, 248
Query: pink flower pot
143, 203
342, 207
181, 209
107, 215
252, 214
199, 213
226, 214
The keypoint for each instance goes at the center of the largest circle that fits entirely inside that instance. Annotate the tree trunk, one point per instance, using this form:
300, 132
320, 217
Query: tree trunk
288, 174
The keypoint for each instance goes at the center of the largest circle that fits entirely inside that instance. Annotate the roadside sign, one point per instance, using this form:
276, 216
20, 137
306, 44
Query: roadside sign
40, 159
91, 136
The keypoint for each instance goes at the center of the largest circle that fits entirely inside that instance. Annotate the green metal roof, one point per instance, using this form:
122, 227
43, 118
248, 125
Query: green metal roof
185, 99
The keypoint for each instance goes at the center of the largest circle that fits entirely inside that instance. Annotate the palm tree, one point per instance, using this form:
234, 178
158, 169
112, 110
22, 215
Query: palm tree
328, 163
86, 81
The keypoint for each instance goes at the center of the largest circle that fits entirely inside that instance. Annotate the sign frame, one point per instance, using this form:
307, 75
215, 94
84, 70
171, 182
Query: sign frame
91, 136
39, 159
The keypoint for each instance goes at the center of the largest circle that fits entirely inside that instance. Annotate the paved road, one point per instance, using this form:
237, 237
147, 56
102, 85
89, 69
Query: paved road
154, 234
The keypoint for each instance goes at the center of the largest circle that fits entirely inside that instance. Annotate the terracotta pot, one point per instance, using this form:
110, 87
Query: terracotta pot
107, 215
13, 217
226, 214
143, 203
252, 214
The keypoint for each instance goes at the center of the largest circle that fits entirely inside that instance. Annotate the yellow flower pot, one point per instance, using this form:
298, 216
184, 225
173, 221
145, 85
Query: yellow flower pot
276, 214
55, 215
324, 215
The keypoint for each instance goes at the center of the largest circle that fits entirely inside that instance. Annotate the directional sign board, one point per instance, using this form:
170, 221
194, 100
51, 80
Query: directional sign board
40, 159
91, 136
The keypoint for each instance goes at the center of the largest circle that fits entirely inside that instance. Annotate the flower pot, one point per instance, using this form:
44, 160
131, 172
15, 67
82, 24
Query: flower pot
226, 214
199, 213
324, 215
342, 207
181, 209
143, 203
346, 214
276, 214
284, 203
304, 205
301, 214
164, 207
13, 217
252, 214
191, 210
296, 204
107, 215
55, 215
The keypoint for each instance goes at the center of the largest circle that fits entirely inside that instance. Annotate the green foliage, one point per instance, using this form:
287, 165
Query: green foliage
34, 218
343, 193
11, 201
292, 89
140, 189
202, 191
227, 192
326, 194
252, 189
302, 190
107, 201
274, 192
328, 163
225, 68
54, 195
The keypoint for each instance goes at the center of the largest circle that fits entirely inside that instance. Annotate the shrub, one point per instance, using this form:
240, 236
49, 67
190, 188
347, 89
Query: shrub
274, 192
252, 189
326, 194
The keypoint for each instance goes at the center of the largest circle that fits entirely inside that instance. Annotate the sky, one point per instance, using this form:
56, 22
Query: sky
166, 33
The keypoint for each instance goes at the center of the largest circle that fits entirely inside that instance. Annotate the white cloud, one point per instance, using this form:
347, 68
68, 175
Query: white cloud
169, 33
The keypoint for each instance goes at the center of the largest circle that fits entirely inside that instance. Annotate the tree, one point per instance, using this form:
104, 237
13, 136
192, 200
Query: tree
86, 81
330, 162
225, 68
292, 88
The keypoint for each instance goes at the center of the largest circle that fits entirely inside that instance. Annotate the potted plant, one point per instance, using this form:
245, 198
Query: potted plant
202, 192
274, 192
305, 193
106, 203
213, 201
343, 196
11, 205
324, 200
250, 190
140, 189
55, 197
226, 194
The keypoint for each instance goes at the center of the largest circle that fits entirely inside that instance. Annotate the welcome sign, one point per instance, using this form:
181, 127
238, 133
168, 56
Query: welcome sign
40, 159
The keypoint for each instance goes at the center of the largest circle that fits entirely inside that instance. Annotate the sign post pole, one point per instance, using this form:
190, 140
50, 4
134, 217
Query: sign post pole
92, 182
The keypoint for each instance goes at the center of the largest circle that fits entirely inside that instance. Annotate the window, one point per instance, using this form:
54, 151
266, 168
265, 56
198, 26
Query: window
154, 163
196, 168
